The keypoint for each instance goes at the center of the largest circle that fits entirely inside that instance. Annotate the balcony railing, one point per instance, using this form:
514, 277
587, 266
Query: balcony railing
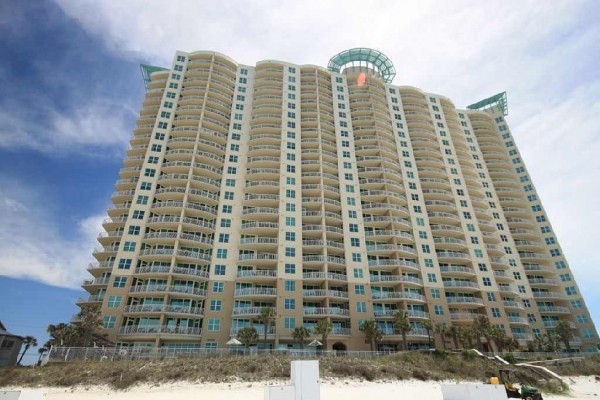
170, 330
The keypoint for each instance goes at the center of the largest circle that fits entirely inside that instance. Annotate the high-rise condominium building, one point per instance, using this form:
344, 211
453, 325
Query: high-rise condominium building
325, 194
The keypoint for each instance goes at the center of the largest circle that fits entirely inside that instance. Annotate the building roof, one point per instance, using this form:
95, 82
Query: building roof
373, 58
4, 332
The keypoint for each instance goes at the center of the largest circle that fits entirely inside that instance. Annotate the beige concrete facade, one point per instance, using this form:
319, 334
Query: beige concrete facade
309, 191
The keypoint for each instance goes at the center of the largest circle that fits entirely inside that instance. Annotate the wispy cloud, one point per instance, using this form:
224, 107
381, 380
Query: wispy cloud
98, 125
32, 245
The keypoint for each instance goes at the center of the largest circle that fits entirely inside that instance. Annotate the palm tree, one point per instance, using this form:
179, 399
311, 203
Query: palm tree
454, 333
323, 328
402, 325
466, 335
539, 341
372, 332
90, 318
247, 336
481, 326
499, 338
442, 330
62, 335
28, 341
299, 334
41, 352
565, 333
550, 342
267, 318
428, 325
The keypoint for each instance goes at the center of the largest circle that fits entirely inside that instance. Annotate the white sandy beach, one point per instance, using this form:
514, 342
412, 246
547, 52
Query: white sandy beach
581, 388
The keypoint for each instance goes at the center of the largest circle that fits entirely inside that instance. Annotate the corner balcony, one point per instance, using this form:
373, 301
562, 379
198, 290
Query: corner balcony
152, 331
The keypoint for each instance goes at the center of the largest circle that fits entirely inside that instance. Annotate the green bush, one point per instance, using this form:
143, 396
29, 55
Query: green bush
440, 353
509, 358
468, 354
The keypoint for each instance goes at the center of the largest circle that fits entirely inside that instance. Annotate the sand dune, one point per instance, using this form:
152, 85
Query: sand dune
581, 388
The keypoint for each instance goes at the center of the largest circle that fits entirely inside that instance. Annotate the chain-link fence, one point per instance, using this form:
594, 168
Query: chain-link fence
68, 354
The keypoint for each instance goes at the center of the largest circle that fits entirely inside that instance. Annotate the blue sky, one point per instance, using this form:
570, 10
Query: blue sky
71, 90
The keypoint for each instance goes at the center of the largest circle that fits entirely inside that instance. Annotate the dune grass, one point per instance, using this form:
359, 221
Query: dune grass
400, 366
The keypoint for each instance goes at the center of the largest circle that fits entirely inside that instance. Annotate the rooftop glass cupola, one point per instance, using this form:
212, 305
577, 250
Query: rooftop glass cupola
366, 60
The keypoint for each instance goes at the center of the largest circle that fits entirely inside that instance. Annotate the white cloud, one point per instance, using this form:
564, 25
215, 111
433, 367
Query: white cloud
90, 127
31, 244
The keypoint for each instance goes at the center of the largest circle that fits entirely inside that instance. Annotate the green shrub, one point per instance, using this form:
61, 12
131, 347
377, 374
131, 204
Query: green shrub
468, 354
509, 358
440, 353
